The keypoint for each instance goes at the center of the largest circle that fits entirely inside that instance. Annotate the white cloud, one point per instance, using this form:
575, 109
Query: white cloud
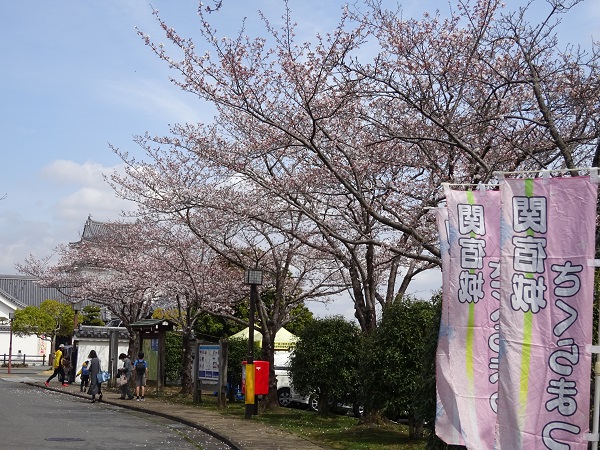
53, 210
100, 203
64, 172
90, 193
158, 99
21, 236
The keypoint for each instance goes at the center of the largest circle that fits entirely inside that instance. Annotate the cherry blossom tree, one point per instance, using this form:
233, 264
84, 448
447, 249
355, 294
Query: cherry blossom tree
221, 214
192, 281
359, 145
278, 156
481, 91
132, 268
103, 267
484, 90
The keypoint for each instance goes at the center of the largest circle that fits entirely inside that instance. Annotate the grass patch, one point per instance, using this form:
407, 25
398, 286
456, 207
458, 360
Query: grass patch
336, 432
341, 432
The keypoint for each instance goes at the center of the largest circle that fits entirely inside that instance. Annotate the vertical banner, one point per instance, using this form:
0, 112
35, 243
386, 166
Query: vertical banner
447, 424
473, 307
548, 239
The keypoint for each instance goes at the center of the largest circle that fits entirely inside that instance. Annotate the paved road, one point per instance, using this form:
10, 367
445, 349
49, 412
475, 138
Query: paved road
33, 418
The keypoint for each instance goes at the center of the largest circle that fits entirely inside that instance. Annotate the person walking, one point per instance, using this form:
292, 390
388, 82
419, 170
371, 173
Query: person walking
126, 371
95, 369
84, 373
57, 365
141, 372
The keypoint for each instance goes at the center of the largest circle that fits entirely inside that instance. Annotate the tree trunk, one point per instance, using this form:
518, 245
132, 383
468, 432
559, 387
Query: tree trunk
52, 350
410, 272
323, 403
372, 418
187, 381
134, 343
267, 354
415, 427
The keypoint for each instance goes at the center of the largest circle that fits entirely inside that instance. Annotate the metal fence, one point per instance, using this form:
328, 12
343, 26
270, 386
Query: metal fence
21, 358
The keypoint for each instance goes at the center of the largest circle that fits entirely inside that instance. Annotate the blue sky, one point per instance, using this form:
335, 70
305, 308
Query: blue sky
75, 77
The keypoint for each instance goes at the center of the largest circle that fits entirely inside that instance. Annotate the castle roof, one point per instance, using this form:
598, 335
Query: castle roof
25, 291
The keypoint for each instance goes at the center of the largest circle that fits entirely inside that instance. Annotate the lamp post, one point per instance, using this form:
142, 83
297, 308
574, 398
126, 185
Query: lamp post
76, 308
73, 366
11, 317
254, 279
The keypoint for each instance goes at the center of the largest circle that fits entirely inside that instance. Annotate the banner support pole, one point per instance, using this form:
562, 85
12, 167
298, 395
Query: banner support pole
596, 414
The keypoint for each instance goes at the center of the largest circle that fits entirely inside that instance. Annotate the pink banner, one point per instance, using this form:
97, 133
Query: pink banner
447, 424
548, 240
472, 293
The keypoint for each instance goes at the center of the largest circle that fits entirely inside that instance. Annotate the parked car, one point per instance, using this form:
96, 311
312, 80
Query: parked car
287, 396
355, 409
346, 407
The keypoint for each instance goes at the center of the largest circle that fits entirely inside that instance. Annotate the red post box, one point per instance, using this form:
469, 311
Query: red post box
261, 377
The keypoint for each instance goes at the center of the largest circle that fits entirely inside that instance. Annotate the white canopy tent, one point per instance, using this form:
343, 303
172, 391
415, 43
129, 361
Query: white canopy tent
284, 340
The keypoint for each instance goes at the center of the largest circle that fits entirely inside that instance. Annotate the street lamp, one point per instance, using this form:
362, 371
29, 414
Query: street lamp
11, 317
254, 279
72, 367
76, 308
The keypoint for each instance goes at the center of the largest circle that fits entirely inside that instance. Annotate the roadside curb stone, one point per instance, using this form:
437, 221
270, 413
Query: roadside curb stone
240, 434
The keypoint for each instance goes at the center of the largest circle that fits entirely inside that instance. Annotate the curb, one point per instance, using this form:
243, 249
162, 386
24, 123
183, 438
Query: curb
191, 424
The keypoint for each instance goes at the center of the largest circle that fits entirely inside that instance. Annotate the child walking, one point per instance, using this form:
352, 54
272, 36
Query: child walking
84, 372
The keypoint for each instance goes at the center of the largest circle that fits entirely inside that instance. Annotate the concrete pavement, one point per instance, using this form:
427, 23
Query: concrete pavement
239, 433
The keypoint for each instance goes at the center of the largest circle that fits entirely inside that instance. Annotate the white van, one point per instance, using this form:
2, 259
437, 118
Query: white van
286, 395
285, 391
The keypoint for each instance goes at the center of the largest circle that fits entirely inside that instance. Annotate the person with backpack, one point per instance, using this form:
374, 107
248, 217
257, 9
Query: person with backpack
84, 373
58, 367
126, 371
141, 372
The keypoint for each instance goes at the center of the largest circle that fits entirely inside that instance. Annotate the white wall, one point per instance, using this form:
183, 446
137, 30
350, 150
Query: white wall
5, 310
28, 345
102, 349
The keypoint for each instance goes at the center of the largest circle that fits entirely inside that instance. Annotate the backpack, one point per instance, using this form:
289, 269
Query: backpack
140, 366
85, 369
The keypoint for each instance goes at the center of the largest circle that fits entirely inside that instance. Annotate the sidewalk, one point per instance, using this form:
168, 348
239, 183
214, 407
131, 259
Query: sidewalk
241, 434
